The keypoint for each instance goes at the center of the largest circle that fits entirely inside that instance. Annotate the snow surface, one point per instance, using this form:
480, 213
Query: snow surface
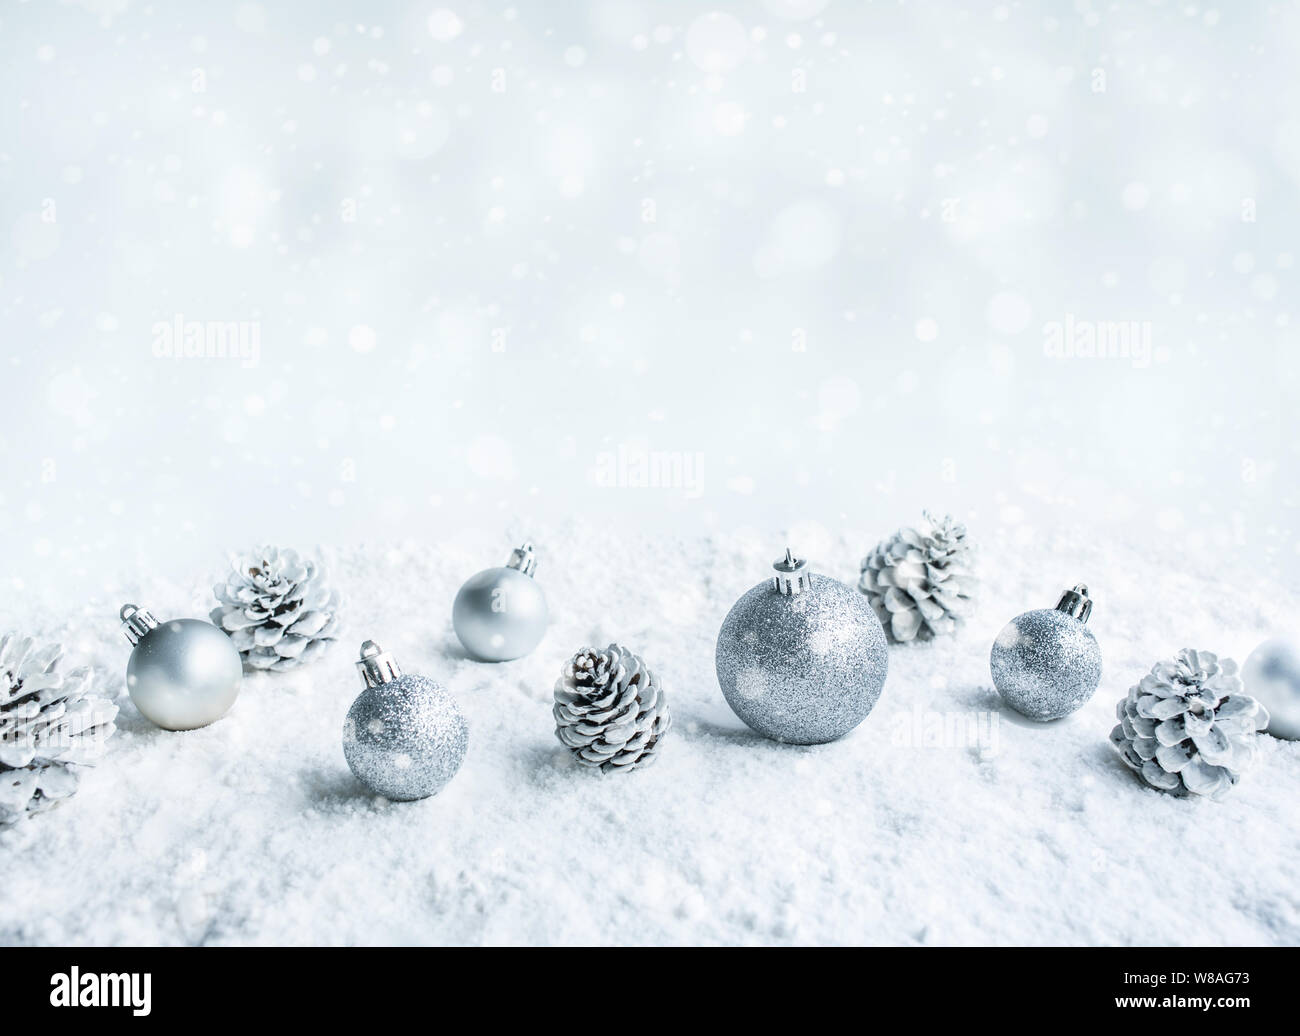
254, 831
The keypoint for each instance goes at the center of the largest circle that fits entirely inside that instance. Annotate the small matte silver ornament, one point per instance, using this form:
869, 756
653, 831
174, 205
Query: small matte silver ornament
1272, 678
182, 674
802, 658
500, 613
404, 737
1046, 664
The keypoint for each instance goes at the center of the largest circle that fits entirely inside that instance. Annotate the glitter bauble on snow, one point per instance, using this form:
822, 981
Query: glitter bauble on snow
802, 658
610, 709
500, 613
52, 723
1188, 728
182, 674
405, 736
922, 581
1046, 664
1272, 678
277, 608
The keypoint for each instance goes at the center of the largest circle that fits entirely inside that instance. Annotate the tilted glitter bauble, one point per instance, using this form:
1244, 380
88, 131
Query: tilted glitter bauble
1272, 678
182, 674
801, 657
405, 736
1046, 663
500, 613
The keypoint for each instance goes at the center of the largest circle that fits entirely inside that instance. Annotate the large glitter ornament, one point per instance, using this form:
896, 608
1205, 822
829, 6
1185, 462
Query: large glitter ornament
182, 674
500, 613
1272, 678
1046, 663
404, 737
801, 657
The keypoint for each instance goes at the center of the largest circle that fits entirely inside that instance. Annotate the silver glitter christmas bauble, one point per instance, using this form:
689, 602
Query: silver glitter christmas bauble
405, 736
182, 674
1272, 678
802, 658
500, 613
1046, 663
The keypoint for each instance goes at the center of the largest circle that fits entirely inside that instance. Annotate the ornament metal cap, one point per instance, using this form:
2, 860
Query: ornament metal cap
791, 575
523, 558
136, 622
1076, 603
376, 665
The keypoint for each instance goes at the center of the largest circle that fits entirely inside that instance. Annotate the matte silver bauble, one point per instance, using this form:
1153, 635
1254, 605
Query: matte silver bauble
182, 674
1272, 678
500, 613
1046, 664
802, 658
404, 737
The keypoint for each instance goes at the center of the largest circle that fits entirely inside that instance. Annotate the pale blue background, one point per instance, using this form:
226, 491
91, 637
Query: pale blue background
798, 312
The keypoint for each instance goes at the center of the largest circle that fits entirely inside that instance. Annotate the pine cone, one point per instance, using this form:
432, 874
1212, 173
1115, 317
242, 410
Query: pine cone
921, 583
277, 609
51, 723
610, 710
1187, 728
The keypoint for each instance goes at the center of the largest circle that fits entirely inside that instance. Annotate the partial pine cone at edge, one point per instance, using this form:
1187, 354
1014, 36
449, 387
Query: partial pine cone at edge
52, 723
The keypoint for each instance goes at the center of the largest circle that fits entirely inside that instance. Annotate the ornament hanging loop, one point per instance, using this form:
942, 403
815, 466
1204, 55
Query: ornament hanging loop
136, 622
376, 665
1076, 603
791, 575
523, 558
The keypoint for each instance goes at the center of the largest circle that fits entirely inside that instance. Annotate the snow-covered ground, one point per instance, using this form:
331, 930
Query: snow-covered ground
700, 275
941, 820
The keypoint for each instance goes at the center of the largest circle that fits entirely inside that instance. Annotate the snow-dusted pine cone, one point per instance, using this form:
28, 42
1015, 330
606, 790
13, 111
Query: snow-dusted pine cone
610, 710
51, 723
922, 582
276, 608
1187, 728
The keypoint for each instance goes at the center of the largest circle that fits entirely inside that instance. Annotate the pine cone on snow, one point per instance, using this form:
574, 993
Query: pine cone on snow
276, 608
1187, 728
51, 723
610, 710
921, 582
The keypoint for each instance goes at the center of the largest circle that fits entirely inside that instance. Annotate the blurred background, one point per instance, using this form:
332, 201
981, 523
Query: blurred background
338, 272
